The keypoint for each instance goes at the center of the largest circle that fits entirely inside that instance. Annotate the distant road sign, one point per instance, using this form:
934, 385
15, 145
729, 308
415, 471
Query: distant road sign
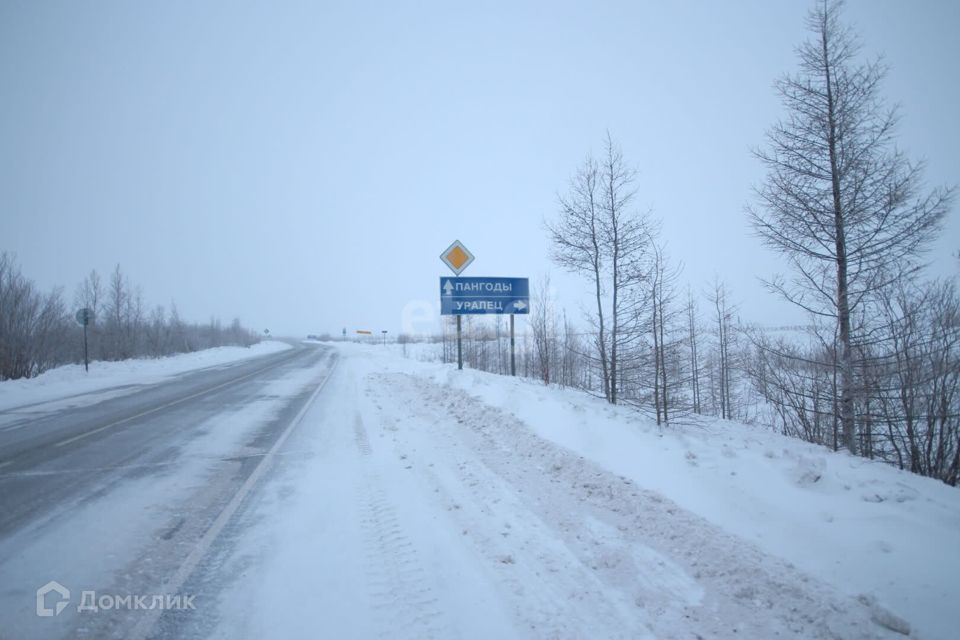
84, 316
364, 332
457, 257
468, 296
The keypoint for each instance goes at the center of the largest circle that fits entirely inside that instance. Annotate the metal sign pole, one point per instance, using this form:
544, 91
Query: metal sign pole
86, 358
513, 360
459, 346
84, 317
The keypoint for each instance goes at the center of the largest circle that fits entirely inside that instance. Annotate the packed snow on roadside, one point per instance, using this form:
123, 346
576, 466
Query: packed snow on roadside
418, 501
71, 381
887, 536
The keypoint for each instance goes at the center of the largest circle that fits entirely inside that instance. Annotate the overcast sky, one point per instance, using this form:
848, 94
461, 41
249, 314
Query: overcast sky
301, 165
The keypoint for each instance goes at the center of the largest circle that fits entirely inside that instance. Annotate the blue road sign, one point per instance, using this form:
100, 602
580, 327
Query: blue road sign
463, 296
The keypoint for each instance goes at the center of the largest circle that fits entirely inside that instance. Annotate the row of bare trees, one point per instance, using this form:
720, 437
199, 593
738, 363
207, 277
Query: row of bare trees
643, 341
552, 352
906, 386
876, 369
689, 365
905, 382
38, 331
32, 326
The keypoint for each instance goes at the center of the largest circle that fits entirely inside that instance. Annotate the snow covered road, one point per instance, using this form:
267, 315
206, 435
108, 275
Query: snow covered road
342, 492
113, 497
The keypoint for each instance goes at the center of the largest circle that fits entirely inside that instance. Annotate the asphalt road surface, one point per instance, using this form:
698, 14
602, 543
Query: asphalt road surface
125, 497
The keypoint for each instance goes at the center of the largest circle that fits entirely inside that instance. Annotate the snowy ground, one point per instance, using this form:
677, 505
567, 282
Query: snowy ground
70, 385
418, 501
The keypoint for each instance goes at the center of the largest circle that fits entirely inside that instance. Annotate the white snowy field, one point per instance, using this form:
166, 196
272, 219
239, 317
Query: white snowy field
418, 501
72, 385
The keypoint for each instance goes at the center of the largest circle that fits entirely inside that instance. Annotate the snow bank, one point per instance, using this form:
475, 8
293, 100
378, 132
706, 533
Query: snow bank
70, 381
889, 538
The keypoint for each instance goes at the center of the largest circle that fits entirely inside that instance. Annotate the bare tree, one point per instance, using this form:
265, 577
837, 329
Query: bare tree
840, 201
577, 244
571, 374
117, 312
90, 295
158, 334
543, 323
912, 380
662, 282
600, 235
34, 330
692, 330
724, 320
628, 238
50, 333
797, 383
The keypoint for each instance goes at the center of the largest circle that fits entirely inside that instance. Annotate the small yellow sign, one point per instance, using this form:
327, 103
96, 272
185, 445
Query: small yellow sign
457, 257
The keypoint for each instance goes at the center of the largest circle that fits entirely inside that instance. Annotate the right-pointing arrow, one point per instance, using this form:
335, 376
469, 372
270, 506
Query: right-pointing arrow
519, 304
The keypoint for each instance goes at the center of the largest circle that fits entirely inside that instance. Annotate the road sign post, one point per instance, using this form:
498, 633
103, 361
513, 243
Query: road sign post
513, 360
459, 347
457, 258
85, 317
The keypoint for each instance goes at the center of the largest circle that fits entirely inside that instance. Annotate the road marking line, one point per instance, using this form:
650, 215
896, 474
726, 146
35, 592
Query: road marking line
172, 586
167, 405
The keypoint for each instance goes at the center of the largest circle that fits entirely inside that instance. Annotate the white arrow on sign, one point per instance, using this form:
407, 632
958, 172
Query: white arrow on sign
448, 288
519, 304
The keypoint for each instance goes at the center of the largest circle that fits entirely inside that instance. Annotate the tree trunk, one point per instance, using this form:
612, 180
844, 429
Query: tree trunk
843, 302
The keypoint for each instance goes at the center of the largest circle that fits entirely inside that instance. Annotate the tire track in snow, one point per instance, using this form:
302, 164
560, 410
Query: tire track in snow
360, 435
404, 604
552, 593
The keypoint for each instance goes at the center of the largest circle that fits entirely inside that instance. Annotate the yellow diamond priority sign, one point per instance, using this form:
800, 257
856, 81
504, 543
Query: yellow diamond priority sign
457, 257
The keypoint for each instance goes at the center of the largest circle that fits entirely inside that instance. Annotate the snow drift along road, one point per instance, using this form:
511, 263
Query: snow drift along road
416, 501
64, 386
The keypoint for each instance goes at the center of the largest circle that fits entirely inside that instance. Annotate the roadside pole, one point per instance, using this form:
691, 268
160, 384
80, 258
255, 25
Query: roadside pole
457, 257
513, 360
84, 317
459, 347
86, 356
